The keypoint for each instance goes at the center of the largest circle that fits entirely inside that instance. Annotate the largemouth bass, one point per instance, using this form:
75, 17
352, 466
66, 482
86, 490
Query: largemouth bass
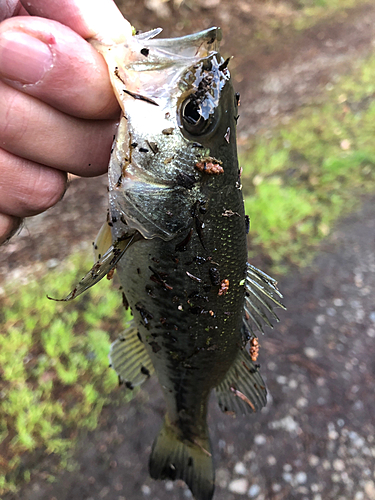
176, 233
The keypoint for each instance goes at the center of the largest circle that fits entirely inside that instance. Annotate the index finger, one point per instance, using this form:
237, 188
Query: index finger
99, 19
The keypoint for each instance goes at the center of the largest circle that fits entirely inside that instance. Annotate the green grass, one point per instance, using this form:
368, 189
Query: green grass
301, 177
54, 373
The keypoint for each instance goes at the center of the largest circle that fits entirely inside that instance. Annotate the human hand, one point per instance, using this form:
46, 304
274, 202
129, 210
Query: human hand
58, 113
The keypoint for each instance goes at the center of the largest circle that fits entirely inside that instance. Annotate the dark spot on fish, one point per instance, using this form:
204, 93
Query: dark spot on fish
120, 381
145, 315
109, 366
138, 270
150, 291
145, 52
138, 96
190, 462
185, 180
182, 246
153, 146
114, 219
134, 144
194, 278
236, 118
195, 310
143, 150
167, 131
129, 385
257, 367
95, 246
155, 346
224, 65
247, 224
125, 303
214, 275
159, 279
237, 96
145, 371
110, 224
202, 208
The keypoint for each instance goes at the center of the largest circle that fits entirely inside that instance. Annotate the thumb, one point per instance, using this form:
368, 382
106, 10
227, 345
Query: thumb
99, 19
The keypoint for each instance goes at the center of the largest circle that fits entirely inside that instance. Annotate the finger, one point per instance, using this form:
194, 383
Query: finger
33, 130
8, 226
47, 60
89, 18
34, 187
9, 8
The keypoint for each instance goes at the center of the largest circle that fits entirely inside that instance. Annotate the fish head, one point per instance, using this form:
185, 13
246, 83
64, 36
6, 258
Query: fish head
175, 95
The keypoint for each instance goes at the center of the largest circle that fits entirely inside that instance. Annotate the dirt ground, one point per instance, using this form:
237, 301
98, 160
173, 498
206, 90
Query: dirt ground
315, 439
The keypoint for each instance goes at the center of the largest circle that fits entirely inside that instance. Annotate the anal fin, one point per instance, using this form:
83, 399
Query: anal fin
243, 390
129, 358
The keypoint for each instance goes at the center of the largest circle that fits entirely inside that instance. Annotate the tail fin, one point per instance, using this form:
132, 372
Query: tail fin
172, 458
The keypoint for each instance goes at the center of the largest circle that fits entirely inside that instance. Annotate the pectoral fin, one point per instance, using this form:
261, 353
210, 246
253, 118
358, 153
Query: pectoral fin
102, 242
128, 357
243, 390
101, 267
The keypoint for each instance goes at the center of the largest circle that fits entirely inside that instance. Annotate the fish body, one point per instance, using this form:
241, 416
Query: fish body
179, 244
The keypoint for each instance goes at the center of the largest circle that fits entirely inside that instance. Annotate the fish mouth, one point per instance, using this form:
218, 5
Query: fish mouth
197, 45
151, 67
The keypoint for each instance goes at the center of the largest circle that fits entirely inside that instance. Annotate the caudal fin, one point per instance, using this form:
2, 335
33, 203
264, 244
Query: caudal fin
172, 458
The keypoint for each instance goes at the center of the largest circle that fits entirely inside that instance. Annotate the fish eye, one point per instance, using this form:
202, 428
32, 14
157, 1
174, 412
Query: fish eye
192, 120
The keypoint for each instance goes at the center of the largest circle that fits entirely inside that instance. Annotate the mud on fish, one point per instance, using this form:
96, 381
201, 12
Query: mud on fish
176, 234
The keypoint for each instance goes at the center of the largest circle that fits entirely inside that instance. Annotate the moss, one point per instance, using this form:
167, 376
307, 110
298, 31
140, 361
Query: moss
302, 177
53, 366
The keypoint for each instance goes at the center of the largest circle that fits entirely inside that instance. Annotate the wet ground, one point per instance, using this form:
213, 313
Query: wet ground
316, 437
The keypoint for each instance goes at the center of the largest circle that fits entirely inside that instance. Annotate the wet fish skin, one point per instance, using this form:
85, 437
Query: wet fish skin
179, 244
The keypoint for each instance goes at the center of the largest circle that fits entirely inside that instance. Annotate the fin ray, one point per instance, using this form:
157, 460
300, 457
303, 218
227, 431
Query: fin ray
176, 458
260, 290
242, 390
129, 358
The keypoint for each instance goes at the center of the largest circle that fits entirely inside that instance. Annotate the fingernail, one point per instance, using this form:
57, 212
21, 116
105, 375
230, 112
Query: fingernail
23, 58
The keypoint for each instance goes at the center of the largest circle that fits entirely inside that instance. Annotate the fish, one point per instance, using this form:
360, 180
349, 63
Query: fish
176, 233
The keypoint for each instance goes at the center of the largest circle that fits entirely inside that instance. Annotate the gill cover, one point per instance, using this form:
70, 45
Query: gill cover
153, 181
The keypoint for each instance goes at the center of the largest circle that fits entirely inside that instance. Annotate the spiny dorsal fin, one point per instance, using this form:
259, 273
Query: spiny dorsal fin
128, 357
243, 390
261, 289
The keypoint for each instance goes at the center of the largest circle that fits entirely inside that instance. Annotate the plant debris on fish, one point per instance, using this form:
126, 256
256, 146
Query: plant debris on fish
181, 260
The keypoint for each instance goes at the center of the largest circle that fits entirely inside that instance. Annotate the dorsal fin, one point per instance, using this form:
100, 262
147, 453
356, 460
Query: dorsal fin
261, 292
